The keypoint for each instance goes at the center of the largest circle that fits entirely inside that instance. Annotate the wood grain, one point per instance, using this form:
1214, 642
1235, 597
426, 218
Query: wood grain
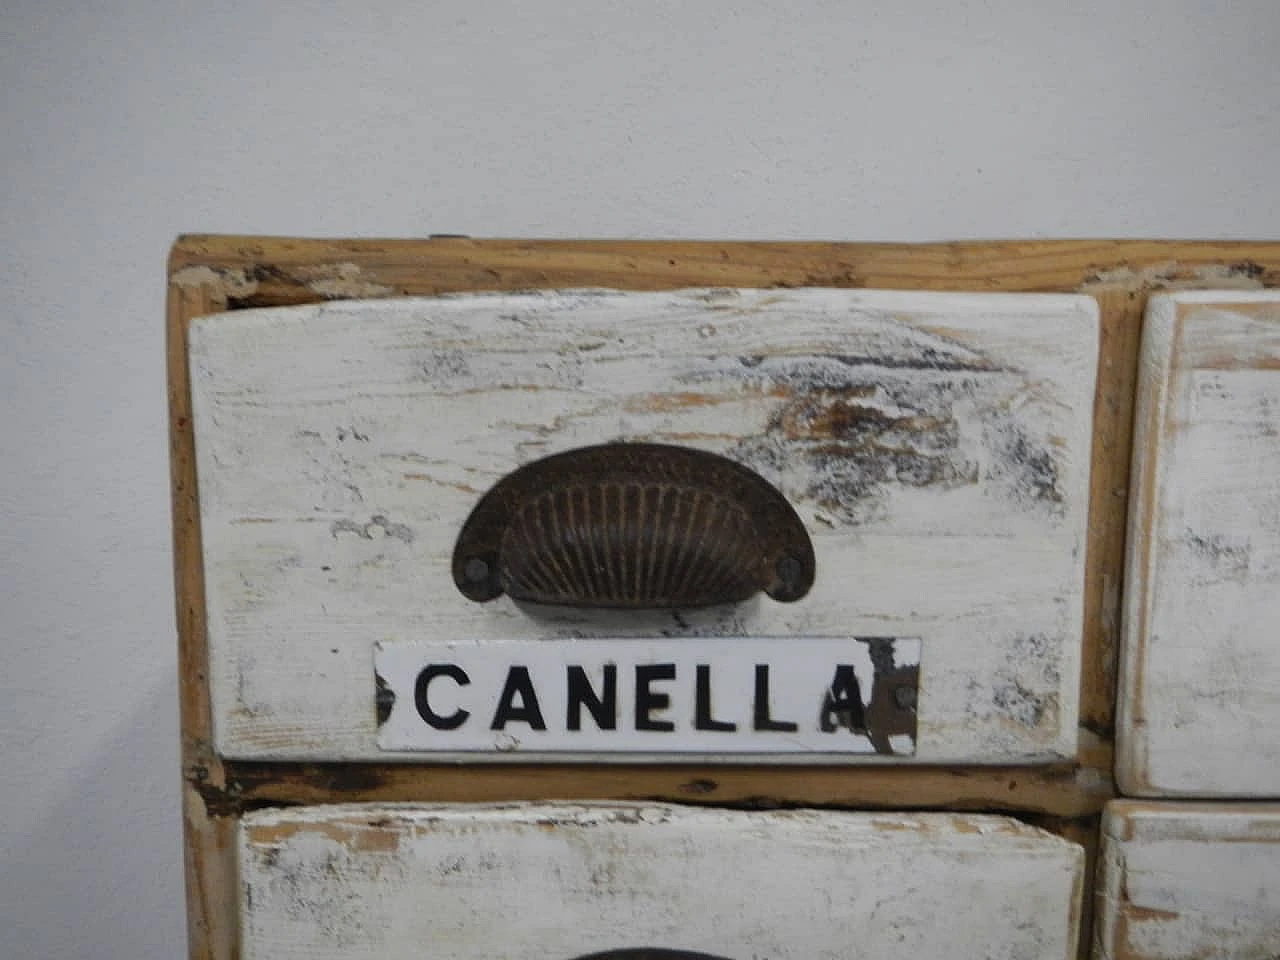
1188, 881
210, 274
209, 862
560, 881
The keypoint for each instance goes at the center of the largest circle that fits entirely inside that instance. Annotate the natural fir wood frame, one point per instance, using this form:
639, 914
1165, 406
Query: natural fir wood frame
213, 274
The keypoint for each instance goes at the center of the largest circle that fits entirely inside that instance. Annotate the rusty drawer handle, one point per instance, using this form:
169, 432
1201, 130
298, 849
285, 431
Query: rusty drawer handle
633, 526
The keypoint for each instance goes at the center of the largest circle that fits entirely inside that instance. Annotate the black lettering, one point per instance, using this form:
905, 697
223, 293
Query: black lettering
420, 695
702, 704
761, 708
603, 709
842, 706
518, 684
648, 701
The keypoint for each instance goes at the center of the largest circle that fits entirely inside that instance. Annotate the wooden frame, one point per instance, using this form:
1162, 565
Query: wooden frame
210, 275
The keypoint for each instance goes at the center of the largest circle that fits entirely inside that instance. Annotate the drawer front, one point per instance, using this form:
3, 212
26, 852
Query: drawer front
1200, 694
936, 448
562, 882
1188, 881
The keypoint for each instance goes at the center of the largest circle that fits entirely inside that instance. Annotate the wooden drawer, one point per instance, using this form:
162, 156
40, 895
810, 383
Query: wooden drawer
935, 446
1189, 881
559, 881
1200, 688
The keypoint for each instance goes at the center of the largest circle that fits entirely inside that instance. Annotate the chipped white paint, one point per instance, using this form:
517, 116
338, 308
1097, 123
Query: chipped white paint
727, 696
340, 280
1188, 881
1176, 276
331, 280
230, 281
936, 446
1200, 690
558, 882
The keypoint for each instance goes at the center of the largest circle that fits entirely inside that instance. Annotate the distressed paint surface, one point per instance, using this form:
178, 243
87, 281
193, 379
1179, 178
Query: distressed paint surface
1187, 881
936, 446
557, 882
1200, 690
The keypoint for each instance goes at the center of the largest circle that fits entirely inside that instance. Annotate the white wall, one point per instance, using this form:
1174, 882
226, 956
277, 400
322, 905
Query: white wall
126, 123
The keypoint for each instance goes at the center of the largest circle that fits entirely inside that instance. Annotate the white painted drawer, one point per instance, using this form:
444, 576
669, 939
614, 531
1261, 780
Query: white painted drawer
1200, 689
935, 446
1189, 881
559, 882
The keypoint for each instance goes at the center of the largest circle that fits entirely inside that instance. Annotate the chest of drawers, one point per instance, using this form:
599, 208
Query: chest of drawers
952, 425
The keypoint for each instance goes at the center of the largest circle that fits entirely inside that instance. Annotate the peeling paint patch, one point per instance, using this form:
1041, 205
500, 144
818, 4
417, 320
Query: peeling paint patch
1224, 555
1137, 914
359, 837
1021, 705
863, 425
234, 282
1244, 275
1027, 468
1024, 691
444, 365
856, 440
338, 281
377, 528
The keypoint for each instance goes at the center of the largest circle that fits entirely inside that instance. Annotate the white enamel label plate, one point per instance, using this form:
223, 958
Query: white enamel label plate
719, 696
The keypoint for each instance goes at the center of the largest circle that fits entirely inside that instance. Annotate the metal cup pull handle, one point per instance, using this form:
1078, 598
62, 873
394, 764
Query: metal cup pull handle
636, 526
